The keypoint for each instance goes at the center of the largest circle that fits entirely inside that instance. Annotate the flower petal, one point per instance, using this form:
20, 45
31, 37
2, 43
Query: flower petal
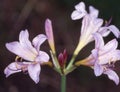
34, 72
98, 69
16, 48
38, 40
25, 43
103, 31
79, 12
11, 69
43, 57
95, 53
108, 57
80, 6
114, 30
99, 43
112, 76
110, 46
93, 12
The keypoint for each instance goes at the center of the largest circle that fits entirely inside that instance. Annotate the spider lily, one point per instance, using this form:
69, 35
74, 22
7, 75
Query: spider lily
91, 24
30, 53
103, 58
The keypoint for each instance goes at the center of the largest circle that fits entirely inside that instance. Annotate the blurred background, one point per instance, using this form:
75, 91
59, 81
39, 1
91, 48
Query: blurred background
17, 15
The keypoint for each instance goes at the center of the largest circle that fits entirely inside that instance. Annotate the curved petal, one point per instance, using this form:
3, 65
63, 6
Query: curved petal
108, 57
103, 31
99, 43
77, 15
43, 57
11, 69
110, 46
114, 30
16, 48
98, 69
34, 72
112, 76
93, 12
79, 12
97, 23
25, 43
38, 40
80, 6
95, 53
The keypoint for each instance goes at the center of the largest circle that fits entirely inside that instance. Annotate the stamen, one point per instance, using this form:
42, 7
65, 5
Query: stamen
18, 58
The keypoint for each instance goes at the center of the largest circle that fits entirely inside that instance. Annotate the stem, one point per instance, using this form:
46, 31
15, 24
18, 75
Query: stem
63, 83
77, 50
71, 61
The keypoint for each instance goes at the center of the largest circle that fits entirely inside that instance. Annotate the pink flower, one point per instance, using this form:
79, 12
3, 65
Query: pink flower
103, 57
90, 25
28, 52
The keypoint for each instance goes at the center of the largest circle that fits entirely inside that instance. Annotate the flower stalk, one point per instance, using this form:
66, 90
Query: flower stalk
63, 83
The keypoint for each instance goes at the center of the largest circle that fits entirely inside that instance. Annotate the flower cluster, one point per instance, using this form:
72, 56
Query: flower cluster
101, 60
104, 56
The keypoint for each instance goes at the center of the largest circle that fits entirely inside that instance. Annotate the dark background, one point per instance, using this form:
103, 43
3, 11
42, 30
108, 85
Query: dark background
17, 15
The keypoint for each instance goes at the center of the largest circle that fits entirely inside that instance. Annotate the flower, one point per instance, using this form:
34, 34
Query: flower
28, 52
90, 25
103, 58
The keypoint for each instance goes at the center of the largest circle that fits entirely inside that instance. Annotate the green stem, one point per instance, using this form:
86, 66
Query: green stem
63, 83
77, 50
71, 62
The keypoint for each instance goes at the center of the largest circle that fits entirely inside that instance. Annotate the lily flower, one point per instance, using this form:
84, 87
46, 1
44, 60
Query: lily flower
103, 58
31, 54
90, 25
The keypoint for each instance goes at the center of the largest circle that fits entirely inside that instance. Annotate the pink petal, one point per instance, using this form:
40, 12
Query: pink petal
25, 43
34, 72
112, 56
110, 46
38, 40
112, 76
93, 12
79, 12
42, 57
11, 69
80, 6
16, 48
103, 31
77, 15
98, 69
114, 30
99, 43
